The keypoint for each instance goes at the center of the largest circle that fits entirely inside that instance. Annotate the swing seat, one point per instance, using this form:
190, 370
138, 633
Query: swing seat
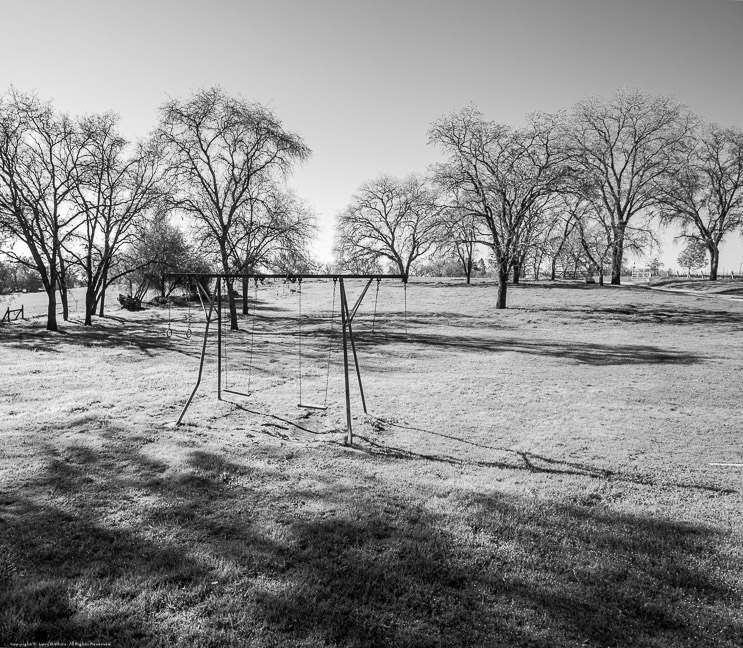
311, 406
237, 393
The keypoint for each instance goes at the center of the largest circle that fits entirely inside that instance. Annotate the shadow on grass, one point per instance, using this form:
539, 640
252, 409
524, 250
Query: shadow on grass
529, 461
581, 352
653, 314
226, 553
145, 338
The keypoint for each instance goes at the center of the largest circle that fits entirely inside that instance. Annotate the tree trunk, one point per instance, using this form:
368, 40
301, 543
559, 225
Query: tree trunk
102, 296
246, 283
89, 304
62, 281
65, 303
601, 276
553, 269
503, 269
468, 270
617, 252
51, 311
714, 260
102, 303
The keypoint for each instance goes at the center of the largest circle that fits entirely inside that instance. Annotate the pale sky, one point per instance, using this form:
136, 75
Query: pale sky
362, 80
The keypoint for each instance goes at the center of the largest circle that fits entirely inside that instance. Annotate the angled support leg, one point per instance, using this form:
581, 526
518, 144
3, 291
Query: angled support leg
203, 353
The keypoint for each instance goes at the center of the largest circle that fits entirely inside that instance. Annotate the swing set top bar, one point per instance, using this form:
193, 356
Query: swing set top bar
289, 276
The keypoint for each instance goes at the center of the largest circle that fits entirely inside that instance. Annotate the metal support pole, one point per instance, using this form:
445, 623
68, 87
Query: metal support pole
344, 319
201, 362
219, 339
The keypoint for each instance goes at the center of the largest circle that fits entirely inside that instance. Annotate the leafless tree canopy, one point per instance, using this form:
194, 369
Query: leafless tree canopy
622, 148
504, 175
222, 152
39, 153
115, 189
390, 218
705, 194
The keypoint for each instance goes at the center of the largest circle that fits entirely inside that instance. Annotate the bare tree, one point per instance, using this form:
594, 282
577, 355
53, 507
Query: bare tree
157, 250
693, 256
504, 174
219, 148
273, 233
622, 148
705, 195
391, 218
113, 193
459, 234
560, 226
39, 153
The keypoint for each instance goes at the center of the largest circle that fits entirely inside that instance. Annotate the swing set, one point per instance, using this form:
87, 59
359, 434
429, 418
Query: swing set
347, 314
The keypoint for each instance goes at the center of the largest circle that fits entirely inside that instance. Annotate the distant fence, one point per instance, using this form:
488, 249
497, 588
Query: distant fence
705, 275
12, 314
641, 274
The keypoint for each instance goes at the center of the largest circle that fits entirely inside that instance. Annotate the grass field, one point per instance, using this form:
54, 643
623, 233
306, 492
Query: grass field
540, 476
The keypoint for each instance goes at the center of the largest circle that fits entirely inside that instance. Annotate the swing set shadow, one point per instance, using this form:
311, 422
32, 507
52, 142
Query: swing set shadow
212, 302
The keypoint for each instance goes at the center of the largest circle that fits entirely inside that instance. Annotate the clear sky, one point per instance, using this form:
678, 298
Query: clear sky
362, 80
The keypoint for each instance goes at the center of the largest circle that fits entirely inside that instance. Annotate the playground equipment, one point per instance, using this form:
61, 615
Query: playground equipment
347, 314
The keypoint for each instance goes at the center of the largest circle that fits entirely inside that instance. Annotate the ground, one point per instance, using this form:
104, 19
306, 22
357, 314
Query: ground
548, 475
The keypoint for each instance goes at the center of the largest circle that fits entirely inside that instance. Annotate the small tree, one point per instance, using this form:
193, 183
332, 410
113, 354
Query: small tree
459, 236
693, 256
159, 249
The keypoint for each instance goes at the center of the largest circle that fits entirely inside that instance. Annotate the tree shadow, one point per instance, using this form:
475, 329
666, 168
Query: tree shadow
227, 551
581, 352
665, 314
526, 460
146, 338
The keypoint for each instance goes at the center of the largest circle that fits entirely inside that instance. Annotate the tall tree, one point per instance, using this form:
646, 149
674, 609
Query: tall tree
705, 195
114, 191
39, 153
621, 149
390, 218
219, 149
504, 175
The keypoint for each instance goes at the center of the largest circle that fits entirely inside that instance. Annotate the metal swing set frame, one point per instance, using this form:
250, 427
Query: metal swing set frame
347, 316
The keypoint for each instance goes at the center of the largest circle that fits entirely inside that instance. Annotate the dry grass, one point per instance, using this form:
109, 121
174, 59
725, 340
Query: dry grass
535, 477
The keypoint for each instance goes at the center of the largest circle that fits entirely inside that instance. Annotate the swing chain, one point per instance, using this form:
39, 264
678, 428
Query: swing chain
168, 331
376, 299
188, 315
252, 330
299, 290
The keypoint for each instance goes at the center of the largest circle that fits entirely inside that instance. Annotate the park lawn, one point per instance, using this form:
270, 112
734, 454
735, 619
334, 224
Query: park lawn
540, 476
